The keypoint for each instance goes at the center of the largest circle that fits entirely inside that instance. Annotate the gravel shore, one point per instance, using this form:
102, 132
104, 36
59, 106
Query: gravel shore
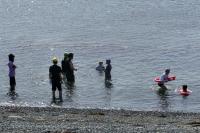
68, 120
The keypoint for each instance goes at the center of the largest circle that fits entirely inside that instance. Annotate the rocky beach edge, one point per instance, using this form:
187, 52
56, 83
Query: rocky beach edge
70, 120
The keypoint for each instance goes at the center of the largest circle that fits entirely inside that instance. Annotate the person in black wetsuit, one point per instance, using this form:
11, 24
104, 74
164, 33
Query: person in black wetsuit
64, 64
11, 74
70, 69
56, 78
108, 71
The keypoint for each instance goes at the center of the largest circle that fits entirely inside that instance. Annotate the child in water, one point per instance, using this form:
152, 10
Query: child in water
184, 88
185, 91
108, 71
11, 74
100, 68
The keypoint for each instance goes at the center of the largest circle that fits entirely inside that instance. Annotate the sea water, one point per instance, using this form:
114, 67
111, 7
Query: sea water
141, 37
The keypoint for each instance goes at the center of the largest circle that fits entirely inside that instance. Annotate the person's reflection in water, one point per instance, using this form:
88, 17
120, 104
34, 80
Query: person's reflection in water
69, 94
164, 101
67, 84
107, 97
69, 90
162, 91
108, 84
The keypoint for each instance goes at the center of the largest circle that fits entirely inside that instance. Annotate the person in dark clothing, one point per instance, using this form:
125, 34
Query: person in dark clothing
184, 87
70, 69
108, 71
100, 67
56, 78
11, 74
64, 64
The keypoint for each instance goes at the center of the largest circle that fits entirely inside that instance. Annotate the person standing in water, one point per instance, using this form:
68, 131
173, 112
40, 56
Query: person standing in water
70, 69
64, 65
164, 78
55, 75
11, 74
108, 71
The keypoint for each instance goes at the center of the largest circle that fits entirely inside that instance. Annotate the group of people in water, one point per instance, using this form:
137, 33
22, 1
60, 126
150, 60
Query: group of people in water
58, 73
165, 78
66, 71
107, 70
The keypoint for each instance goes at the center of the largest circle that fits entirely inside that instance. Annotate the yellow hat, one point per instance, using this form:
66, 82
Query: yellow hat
54, 60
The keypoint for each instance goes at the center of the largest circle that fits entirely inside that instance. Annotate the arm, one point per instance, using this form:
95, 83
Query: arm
50, 74
14, 66
72, 67
61, 76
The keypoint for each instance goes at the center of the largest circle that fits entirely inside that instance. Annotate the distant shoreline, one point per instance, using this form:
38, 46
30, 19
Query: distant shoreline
71, 120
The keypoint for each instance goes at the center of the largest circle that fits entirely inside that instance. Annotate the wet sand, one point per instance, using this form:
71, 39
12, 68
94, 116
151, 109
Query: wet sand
69, 120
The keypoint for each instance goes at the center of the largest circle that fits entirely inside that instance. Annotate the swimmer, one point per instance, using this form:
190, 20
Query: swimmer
184, 88
184, 91
100, 68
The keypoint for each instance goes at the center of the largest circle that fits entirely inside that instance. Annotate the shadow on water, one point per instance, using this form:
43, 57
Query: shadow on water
12, 96
164, 98
56, 103
108, 84
101, 73
107, 96
69, 87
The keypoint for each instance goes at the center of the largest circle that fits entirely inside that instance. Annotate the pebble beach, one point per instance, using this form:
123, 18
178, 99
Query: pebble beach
70, 120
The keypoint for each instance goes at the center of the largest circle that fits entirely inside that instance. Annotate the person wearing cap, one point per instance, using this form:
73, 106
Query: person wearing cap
11, 74
164, 78
100, 67
108, 70
55, 75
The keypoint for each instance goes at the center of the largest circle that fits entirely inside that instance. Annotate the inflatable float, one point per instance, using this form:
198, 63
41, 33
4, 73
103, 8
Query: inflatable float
184, 93
170, 78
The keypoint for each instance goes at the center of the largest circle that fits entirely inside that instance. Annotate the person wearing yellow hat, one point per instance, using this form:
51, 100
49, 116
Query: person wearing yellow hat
56, 78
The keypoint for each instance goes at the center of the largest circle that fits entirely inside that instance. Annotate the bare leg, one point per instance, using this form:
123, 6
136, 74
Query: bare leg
60, 96
53, 96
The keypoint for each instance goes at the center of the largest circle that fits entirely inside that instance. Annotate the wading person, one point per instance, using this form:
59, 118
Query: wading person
164, 78
55, 75
64, 65
11, 74
108, 71
70, 69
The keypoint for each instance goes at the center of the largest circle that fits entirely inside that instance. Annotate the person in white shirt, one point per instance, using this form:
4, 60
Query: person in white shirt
164, 78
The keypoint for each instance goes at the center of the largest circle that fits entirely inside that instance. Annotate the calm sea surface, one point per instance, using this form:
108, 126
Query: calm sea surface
141, 37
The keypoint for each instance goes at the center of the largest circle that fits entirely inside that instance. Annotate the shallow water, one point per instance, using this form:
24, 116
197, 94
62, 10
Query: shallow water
141, 37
